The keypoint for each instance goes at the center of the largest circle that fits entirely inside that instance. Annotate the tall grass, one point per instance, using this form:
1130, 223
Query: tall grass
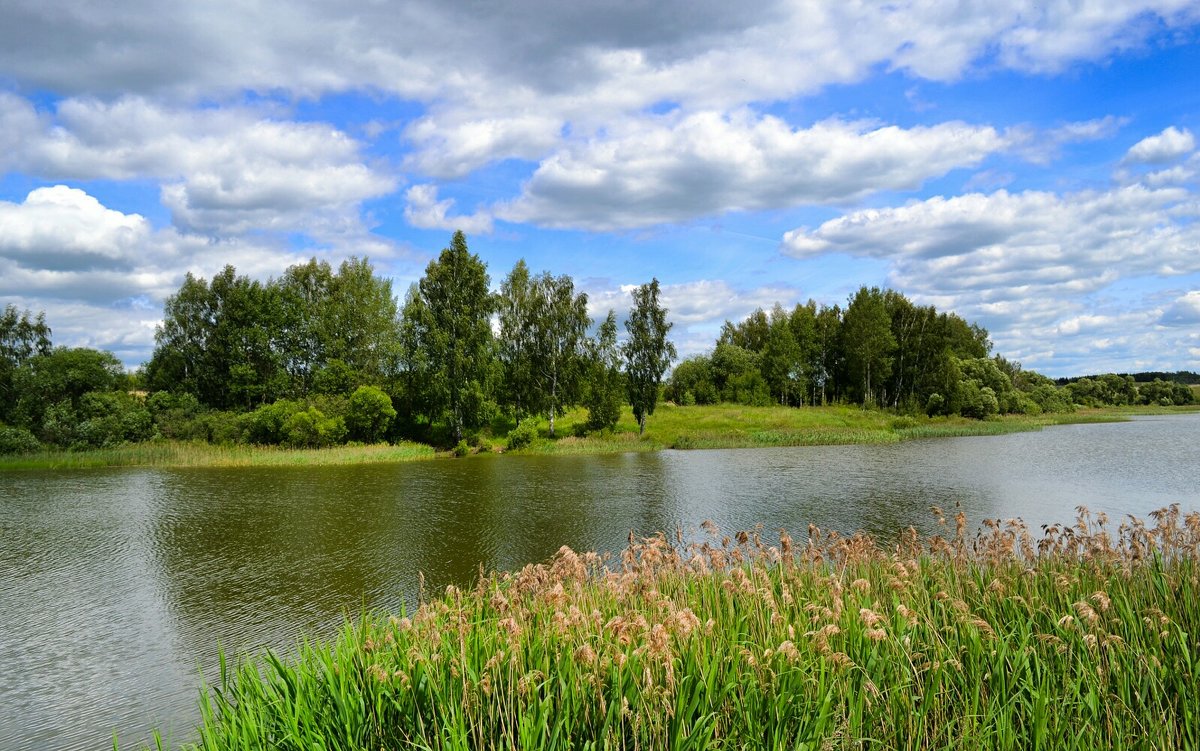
180, 454
1084, 639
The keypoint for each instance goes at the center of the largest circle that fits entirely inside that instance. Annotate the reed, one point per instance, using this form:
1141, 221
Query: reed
181, 454
1083, 639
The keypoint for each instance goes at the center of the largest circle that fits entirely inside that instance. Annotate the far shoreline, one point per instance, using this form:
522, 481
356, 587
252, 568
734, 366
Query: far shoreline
672, 427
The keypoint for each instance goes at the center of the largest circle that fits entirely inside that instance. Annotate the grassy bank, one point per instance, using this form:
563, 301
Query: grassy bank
179, 454
735, 426
698, 427
1086, 639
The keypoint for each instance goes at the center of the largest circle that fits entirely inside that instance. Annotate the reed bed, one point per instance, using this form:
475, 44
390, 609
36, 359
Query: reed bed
1084, 638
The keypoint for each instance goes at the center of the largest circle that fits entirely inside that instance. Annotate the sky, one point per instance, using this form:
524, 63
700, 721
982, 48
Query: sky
1032, 165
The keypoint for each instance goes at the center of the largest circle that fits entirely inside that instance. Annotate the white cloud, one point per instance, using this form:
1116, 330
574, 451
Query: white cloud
65, 229
581, 63
1184, 311
1165, 147
424, 210
449, 148
1034, 266
101, 275
696, 308
678, 168
225, 171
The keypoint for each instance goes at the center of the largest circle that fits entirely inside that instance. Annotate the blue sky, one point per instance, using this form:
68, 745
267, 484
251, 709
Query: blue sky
1032, 166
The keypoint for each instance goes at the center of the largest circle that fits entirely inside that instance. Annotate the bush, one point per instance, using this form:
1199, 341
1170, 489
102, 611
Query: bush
176, 415
265, 425
17, 441
935, 405
369, 414
462, 449
112, 418
312, 429
522, 435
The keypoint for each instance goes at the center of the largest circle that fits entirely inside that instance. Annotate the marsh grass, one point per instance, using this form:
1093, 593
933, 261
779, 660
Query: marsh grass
1083, 639
180, 454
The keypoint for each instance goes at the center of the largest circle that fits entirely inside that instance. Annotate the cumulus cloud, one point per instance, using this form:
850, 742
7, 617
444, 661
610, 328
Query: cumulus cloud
101, 275
1184, 311
578, 63
1165, 147
424, 210
696, 308
680, 168
1031, 266
224, 171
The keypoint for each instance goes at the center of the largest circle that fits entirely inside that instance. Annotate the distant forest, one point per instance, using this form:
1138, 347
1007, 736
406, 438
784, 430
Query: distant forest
320, 357
1186, 377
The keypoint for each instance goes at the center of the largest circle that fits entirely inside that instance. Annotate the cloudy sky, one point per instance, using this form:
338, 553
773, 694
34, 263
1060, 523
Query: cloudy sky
1033, 165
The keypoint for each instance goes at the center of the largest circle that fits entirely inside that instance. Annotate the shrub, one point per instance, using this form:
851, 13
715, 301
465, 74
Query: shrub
522, 435
369, 414
265, 425
17, 441
935, 405
462, 449
112, 418
310, 428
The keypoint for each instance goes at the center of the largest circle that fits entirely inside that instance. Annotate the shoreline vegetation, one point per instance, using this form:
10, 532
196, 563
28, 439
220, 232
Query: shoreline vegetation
675, 427
1084, 639
320, 358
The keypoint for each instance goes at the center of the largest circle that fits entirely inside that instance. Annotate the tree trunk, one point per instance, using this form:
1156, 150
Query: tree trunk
642, 425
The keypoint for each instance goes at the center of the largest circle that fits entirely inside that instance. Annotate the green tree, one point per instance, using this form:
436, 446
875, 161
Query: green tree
691, 382
362, 328
304, 291
803, 322
456, 335
515, 343
369, 414
648, 353
410, 387
181, 340
603, 394
63, 376
825, 361
868, 343
781, 364
559, 332
21, 338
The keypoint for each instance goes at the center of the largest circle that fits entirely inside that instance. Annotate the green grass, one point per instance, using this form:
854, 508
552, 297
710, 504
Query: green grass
179, 454
671, 426
1086, 640
735, 426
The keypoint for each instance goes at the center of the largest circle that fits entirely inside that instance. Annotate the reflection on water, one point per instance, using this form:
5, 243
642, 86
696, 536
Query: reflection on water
117, 586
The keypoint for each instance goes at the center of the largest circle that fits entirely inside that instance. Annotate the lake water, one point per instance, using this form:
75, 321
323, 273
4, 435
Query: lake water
116, 586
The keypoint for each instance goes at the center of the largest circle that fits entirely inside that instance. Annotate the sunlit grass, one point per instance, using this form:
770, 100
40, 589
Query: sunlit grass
737, 426
1085, 639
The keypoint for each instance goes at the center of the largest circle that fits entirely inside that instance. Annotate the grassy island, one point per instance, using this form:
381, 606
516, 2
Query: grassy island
1083, 639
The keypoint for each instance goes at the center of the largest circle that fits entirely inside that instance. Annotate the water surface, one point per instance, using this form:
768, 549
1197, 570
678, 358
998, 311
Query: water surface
116, 586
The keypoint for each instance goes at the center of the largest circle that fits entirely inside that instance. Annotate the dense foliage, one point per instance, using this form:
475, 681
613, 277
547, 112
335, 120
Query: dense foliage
322, 356
1084, 639
883, 350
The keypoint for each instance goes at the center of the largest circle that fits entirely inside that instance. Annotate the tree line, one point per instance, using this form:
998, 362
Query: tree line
321, 356
883, 350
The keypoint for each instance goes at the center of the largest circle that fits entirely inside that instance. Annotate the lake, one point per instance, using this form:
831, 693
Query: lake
117, 586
